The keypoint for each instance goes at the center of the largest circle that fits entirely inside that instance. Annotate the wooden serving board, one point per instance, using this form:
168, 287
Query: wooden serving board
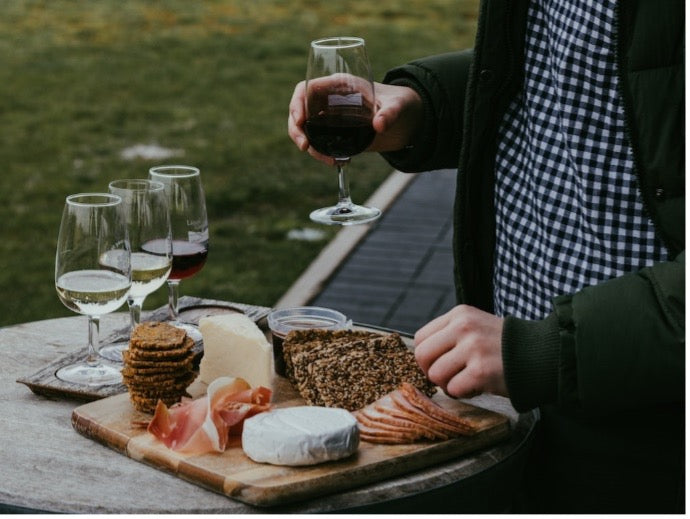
111, 421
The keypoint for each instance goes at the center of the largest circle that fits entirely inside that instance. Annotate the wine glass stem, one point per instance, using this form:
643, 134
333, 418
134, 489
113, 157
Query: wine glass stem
343, 184
172, 299
134, 313
94, 325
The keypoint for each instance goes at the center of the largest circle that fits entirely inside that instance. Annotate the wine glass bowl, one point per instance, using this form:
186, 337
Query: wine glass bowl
92, 229
145, 207
340, 106
189, 228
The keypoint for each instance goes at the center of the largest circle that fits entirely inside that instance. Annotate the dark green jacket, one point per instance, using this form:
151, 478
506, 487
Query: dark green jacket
606, 368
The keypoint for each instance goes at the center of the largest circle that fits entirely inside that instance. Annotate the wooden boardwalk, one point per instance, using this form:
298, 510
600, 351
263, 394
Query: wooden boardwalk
399, 275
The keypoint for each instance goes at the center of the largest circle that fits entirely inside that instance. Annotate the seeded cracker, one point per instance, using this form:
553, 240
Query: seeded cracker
157, 335
132, 370
175, 355
158, 365
349, 369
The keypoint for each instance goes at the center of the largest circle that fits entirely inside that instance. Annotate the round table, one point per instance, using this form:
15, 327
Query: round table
49, 467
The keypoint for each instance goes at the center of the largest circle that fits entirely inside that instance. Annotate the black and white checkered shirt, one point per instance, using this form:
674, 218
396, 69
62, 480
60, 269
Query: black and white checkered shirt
569, 211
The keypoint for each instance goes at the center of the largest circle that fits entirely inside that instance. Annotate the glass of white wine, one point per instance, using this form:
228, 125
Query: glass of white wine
145, 207
92, 226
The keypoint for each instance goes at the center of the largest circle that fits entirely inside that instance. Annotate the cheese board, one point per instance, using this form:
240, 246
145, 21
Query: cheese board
114, 422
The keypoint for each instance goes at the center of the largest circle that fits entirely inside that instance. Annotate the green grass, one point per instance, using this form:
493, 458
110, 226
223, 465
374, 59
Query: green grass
81, 81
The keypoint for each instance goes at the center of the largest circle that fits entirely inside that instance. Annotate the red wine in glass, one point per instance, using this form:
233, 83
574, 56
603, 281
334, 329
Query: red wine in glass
339, 135
340, 104
189, 229
188, 257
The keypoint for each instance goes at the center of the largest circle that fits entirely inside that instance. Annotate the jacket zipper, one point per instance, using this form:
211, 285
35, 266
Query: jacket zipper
641, 182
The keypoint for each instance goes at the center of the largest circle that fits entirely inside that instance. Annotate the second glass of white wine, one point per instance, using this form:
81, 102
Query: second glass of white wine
145, 208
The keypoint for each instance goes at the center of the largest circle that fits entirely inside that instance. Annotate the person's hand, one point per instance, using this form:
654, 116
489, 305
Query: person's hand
399, 114
460, 352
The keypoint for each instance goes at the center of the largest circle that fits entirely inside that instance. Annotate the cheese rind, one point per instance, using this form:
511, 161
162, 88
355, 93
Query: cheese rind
303, 435
234, 346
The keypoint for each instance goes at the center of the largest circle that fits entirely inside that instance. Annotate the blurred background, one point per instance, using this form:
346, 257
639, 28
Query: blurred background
95, 91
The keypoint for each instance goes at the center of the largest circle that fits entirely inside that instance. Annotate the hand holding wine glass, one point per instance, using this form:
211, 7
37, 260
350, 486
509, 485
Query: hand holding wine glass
145, 206
92, 228
399, 115
340, 106
189, 227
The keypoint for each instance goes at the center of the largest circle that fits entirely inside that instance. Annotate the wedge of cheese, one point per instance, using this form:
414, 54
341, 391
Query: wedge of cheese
234, 346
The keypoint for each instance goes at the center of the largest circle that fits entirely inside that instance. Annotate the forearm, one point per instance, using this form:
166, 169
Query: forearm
440, 81
617, 345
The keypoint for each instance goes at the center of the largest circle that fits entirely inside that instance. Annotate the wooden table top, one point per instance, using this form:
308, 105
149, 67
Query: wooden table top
48, 466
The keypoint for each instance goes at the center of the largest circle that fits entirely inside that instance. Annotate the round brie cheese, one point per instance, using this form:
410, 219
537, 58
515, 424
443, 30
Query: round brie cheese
301, 435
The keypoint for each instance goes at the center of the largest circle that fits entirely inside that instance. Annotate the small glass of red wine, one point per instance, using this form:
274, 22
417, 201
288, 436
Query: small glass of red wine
340, 107
189, 228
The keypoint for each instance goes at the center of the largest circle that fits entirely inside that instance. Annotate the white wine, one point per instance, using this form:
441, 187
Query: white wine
149, 272
93, 292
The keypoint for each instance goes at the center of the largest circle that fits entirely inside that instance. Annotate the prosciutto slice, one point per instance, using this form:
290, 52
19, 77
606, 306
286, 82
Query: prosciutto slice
406, 415
206, 424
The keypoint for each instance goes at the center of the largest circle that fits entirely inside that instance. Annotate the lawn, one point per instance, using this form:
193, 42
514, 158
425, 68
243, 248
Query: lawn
84, 83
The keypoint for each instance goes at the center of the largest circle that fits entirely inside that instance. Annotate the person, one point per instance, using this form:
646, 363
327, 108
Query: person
566, 124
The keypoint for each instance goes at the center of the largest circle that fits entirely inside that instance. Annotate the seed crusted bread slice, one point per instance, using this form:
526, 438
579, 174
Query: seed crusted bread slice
337, 363
310, 342
349, 369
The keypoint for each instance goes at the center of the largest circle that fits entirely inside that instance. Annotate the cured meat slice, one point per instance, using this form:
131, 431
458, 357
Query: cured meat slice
374, 434
381, 416
374, 424
205, 424
401, 403
403, 416
424, 403
383, 438
388, 405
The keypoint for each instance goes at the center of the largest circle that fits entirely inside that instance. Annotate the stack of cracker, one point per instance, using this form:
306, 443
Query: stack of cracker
158, 365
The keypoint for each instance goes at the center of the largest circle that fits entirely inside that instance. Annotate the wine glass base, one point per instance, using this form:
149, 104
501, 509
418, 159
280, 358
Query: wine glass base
192, 331
113, 351
345, 214
90, 375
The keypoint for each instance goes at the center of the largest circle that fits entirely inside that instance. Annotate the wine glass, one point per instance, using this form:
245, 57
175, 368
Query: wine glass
189, 225
145, 207
340, 107
92, 227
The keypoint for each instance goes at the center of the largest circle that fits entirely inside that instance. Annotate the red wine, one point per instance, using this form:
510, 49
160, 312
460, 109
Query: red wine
339, 135
188, 257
